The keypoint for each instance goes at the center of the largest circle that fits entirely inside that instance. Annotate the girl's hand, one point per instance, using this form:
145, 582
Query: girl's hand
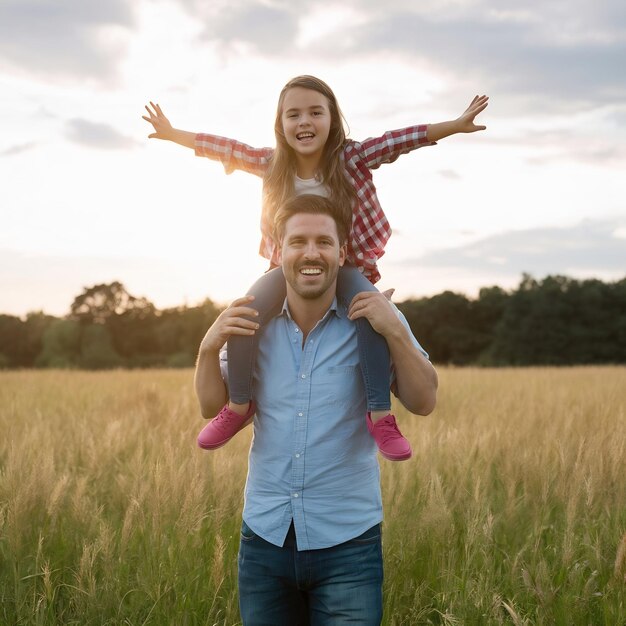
162, 127
466, 121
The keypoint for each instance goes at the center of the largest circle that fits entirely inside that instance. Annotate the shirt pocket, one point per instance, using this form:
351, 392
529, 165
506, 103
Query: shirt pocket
338, 384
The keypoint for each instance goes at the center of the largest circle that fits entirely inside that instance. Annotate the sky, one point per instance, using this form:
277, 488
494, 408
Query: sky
87, 198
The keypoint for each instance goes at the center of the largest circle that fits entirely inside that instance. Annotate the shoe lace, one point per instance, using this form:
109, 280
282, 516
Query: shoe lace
225, 417
388, 431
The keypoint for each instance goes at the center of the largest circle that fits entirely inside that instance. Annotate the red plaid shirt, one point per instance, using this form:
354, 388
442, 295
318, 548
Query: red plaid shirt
370, 228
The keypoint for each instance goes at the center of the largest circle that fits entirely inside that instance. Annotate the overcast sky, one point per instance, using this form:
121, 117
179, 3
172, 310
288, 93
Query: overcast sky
86, 198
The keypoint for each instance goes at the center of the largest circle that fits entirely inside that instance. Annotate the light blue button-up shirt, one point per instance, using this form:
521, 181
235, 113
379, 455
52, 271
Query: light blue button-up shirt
312, 459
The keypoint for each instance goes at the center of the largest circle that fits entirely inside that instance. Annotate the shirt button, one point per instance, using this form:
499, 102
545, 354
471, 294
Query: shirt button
297, 456
300, 414
297, 329
295, 495
303, 375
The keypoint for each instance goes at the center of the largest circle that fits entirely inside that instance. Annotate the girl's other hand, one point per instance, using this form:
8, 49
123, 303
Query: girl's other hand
162, 127
466, 121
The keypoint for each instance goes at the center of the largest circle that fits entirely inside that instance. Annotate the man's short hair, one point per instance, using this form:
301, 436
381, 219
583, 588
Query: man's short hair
310, 203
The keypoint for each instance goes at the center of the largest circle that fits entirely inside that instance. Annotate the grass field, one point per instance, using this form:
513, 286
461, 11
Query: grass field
512, 511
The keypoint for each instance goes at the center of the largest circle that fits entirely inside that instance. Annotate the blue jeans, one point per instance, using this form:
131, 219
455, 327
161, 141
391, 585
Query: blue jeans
338, 585
269, 294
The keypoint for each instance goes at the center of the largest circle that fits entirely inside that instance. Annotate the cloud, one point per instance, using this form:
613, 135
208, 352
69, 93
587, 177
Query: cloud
591, 247
93, 135
18, 149
561, 54
537, 54
450, 174
564, 55
269, 29
64, 38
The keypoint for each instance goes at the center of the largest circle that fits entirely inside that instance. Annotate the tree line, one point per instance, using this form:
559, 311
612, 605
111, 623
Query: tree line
554, 321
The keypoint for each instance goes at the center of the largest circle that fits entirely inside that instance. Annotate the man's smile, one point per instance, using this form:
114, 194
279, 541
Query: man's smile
311, 271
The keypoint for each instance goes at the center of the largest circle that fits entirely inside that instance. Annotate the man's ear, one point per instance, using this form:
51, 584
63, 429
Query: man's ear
343, 253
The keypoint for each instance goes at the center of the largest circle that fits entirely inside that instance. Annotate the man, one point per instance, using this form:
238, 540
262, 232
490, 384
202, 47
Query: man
310, 550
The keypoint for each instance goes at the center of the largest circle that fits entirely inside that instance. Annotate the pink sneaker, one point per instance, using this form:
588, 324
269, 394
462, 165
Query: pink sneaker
390, 441
223, 427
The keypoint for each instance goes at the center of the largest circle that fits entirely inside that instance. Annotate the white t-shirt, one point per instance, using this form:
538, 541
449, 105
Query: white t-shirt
312, 186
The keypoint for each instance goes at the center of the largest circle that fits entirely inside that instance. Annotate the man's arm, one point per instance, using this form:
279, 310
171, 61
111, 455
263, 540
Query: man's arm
463, 124
416, 378
209, 384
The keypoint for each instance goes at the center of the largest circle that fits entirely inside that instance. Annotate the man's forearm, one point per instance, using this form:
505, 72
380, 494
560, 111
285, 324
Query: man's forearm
416, 378
209, 385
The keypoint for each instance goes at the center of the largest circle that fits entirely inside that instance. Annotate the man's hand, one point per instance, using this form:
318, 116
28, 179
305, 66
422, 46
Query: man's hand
416, 379
231, 321
377, 308
466, 120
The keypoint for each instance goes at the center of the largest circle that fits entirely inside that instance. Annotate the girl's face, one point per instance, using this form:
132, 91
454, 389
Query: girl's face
306, 123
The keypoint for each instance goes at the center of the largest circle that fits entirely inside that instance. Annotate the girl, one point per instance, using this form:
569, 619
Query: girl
313, 155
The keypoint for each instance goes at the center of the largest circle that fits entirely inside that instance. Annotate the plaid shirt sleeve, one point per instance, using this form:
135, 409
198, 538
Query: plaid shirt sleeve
375, 151
370, 228
233, 154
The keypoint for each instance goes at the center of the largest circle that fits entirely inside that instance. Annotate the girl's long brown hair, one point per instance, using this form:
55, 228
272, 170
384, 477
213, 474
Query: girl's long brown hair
278, 183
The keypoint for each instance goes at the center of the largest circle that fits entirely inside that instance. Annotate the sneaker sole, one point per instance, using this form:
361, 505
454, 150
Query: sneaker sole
397, 457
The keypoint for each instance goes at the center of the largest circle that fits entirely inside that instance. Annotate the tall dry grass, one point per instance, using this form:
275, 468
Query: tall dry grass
513, 510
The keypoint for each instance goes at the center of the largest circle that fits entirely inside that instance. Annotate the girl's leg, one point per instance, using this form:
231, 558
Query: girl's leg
373, 348
375, 365
269, 294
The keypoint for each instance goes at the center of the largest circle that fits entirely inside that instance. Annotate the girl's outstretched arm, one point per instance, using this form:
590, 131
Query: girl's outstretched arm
463, 124
163, 128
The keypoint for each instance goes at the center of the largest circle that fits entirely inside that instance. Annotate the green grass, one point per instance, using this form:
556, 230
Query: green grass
512, 511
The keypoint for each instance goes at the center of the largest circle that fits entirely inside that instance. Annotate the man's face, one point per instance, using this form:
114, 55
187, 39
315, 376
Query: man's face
311, 255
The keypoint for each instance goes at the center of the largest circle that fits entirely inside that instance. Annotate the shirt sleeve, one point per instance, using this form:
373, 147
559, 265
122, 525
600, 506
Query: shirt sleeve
233, 154
375, 151
416, 343
404, 321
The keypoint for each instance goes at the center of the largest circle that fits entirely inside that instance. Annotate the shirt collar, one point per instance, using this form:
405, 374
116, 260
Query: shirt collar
338, 309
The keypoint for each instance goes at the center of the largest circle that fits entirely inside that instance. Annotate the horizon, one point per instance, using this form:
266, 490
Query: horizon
222, 304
